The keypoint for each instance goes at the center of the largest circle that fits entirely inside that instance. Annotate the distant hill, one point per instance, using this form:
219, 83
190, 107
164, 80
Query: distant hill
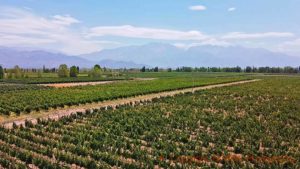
165, 55
119, 64
150, 55
9, 57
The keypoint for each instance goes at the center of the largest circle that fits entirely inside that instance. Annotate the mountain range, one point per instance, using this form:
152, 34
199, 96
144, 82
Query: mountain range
9, 57
166, 55
151, 55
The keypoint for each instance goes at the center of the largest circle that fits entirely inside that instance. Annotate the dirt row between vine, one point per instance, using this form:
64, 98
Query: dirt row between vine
56, 114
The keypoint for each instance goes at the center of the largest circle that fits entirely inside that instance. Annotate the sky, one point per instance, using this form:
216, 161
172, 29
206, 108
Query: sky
84, 26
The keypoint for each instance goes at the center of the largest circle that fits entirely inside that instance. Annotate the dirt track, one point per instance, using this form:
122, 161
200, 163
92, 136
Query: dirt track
58, 113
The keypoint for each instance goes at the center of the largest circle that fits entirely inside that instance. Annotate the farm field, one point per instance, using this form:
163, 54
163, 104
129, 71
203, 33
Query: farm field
56, 114
36, 98
50, 80
149, 84
253, 125
184, 74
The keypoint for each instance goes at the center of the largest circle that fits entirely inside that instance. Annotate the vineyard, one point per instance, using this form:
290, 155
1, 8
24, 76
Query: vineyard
9, 88
184, 74
50, 80
253, 125
26, 101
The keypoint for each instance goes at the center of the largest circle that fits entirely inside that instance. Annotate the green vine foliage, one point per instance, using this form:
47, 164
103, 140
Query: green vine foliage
31, 97
253, 125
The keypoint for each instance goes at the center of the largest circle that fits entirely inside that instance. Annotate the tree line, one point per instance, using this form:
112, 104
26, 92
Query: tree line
97, 70
62, 71
236, 69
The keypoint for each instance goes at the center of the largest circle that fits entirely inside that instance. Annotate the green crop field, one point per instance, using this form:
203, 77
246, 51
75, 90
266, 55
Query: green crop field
184, 74
137, 84
49, 80
253, 125
36, 98
10, 88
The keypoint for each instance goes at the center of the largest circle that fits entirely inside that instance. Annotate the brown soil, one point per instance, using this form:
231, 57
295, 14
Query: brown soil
56, 114
73, 84
61, 85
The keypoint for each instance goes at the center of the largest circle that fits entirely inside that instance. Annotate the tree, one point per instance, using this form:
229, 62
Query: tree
1, 72
44, 69
143, 69
97, 67
289, 69
156, 69
248, 69
186, 69
10, 74
96, 71
73, 71
17, 71
63, 71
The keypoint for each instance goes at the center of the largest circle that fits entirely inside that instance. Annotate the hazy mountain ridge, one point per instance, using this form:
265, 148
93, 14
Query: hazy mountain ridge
120, 64
165, 55
9, 57
155, 54
37, 58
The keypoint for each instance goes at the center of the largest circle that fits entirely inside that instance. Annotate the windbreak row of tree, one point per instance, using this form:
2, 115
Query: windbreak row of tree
249, 126
144, 69
1, 72
62, 71
15, 72
236, 69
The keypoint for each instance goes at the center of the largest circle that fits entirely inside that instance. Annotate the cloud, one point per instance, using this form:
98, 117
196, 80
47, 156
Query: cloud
65, 20
19, 40
23, 28
212, 42
16, 21
231, 9
148, 33
215, 42
20, 27
198, 8
290, 47
241, 35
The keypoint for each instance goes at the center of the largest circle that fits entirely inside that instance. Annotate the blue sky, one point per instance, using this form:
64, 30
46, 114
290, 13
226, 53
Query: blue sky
84, 26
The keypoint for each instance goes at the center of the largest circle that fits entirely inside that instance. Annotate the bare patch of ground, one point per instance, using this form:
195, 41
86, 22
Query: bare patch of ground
73, 84
62, 85
56, 114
